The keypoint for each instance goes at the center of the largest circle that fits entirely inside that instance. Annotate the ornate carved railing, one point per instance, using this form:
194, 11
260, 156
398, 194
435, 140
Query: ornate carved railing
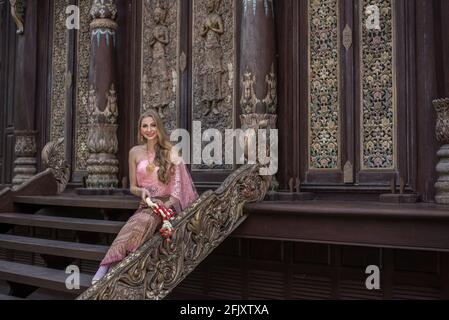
41, 184
156, 268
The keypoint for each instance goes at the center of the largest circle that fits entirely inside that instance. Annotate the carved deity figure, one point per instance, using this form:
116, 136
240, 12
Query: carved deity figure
159, 78
213, 69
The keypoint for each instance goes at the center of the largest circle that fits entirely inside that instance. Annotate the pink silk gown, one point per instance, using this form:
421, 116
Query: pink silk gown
143, 224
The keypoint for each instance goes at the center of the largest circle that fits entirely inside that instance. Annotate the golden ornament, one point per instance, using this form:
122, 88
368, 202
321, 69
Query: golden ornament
150, 167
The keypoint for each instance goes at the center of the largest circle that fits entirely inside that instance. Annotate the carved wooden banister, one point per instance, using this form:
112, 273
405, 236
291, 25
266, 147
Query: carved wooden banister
41, 184
158, 266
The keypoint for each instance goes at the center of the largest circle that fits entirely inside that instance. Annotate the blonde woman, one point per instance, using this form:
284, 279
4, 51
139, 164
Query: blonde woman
156, 173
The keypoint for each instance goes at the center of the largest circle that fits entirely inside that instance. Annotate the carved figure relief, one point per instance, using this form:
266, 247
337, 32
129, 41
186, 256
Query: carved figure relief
212, 30
159, 77
249, 100
109, 114
157, 84
213, 67
271, 99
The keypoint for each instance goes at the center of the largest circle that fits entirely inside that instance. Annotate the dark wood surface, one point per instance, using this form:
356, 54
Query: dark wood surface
54, 247
101, 202
43, 183
40, 277
61, 223
372, 224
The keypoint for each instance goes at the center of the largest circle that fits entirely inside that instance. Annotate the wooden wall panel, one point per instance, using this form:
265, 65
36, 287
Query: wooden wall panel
315, 271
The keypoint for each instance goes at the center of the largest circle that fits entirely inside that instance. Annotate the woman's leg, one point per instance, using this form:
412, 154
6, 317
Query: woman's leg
137, 229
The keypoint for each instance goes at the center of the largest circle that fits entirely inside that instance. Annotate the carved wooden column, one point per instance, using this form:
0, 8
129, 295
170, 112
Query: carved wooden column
258, 77
25, 148
102, 143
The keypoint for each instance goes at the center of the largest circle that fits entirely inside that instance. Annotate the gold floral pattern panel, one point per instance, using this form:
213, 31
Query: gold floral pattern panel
59, 74
159, 78
378, 116
324, 85
82, 86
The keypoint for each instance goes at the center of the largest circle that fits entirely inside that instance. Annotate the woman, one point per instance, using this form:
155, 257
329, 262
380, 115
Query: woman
154, 172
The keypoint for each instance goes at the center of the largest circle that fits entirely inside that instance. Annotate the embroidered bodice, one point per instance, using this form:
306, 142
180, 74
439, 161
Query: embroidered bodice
180, 185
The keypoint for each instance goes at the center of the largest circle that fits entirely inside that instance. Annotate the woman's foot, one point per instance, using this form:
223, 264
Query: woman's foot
100, 274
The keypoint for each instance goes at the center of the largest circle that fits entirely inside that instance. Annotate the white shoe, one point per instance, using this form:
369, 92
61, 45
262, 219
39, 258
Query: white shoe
101, 272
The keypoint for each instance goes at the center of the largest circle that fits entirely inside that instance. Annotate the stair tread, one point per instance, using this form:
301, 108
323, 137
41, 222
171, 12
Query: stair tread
40, 276
48, 294
79, 201
7, 297
32, 220
54, 247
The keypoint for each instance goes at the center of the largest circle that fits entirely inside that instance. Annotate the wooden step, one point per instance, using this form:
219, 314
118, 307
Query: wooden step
6, 297
48, 294
40, 277
90, 225
53, 247
100, 202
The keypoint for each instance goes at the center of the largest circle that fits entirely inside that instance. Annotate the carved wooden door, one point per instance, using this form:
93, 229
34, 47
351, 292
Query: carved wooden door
353, 108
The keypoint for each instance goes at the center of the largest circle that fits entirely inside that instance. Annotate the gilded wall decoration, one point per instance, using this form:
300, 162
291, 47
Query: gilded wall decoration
324, 85
82, 86
60, 49
378, 116
213, 65
159, 59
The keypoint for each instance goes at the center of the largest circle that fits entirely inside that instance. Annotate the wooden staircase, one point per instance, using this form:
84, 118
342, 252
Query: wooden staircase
41, 235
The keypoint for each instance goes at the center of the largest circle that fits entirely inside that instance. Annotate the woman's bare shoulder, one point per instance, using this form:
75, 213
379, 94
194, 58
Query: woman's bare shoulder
134, 151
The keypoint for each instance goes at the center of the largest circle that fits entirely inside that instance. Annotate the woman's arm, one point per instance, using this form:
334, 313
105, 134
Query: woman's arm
140, 192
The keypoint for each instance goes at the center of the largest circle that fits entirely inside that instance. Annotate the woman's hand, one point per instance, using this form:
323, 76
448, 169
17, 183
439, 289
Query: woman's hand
145, 194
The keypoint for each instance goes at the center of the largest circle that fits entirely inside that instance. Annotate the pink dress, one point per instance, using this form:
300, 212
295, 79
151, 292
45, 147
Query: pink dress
143, 224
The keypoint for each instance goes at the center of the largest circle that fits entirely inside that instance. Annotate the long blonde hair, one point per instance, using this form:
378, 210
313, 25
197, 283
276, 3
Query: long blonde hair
163, 146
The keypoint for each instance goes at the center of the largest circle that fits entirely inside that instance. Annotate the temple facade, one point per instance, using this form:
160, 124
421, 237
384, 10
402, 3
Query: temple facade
358, 91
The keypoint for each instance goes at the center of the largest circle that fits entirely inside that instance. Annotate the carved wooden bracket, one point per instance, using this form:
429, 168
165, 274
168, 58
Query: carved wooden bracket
18, 14
157, 267
53, 158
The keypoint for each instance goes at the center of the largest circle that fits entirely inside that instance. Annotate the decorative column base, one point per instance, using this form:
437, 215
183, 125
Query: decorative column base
441, 107
25, 165
442, 184
102, 165
261, 121
103, 170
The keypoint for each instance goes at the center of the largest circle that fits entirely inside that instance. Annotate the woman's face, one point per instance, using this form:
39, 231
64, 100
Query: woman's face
148, 128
